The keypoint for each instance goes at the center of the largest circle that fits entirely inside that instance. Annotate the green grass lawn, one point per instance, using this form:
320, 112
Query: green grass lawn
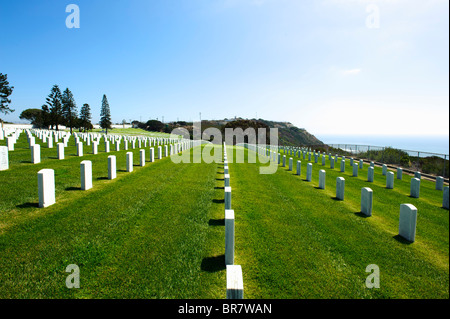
158, 232
147, 234
294, 240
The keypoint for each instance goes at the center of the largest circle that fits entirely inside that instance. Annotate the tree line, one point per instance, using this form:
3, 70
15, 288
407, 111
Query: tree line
60, 108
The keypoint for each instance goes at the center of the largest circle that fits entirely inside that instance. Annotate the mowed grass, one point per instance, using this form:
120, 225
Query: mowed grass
158, 232
152, 233
294, 240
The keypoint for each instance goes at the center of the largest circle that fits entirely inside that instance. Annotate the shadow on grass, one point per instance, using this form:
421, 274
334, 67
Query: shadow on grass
402, 240
218, 187
122, 170
28, 162
28, 205
336, 199
220, 179
213, 264
216, 222
73, 189
362, 215
219, 201
102, 178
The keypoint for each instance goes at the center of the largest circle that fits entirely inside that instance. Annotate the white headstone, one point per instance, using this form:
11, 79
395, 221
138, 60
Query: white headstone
445, 199
408, 222
235, 282
228, 197
342, 166
86, 175
94, 148
36, 154
10, 142
229, 237
4, 160
309, 172
60, 151
129, 162
322, 176
227, 180
399, 173
370, 174
112, 173
366, 201
355, 169
390, 180
46, 187
415, 187
152, 154
439, 183
142, 157
340, 188
80, 149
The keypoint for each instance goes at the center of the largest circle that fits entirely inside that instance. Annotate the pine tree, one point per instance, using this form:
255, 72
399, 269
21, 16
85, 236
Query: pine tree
105, 115
46, 121
55, 106
85, 117
5, 92
69, 109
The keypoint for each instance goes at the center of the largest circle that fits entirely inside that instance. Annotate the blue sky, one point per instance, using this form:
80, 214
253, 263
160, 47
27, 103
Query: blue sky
314, 63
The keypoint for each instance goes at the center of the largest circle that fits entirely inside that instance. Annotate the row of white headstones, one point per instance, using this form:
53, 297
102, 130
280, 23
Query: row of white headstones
235, 282
408, 212
48, 137
46, 177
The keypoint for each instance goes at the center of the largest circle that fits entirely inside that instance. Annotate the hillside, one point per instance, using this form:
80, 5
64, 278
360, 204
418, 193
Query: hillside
288, 134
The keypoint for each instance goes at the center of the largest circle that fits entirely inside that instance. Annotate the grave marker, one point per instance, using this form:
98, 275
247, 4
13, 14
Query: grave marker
366, 201
390, 180
86, 175
4, 160
129, 162
112, 173
340, 188
229, 237
60, 147
46, 187
36, 154
227, 197
415, 187
235, 282
322, 176
309, 172
408, 222
370, 174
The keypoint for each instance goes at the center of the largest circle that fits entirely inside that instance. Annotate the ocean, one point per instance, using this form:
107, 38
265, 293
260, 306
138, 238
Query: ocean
432, 144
